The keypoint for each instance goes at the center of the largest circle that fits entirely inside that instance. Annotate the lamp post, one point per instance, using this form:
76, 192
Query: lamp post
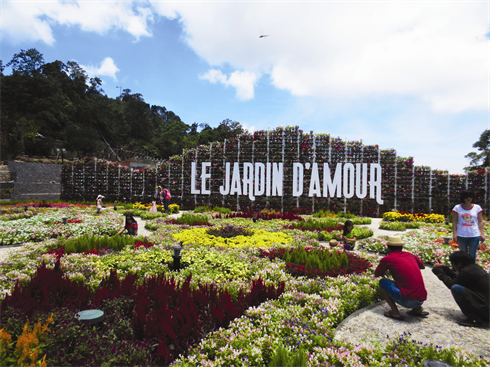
64, 219
120, 90
115, 206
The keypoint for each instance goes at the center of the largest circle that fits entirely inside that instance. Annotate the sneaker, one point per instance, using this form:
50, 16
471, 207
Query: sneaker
470, 323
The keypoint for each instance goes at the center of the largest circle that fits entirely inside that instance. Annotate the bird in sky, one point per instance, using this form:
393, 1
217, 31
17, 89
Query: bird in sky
264, 35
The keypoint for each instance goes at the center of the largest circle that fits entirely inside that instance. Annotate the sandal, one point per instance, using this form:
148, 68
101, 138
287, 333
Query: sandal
391, 316
423, 314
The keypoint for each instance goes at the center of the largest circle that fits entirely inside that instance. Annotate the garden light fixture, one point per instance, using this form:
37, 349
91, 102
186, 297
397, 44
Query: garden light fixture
64, 219
177, 256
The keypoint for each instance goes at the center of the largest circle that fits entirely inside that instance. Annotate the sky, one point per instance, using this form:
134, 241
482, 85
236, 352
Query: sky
409, 75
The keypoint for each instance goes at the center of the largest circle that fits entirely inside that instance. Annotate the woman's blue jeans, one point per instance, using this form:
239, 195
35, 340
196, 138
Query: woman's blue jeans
469, 245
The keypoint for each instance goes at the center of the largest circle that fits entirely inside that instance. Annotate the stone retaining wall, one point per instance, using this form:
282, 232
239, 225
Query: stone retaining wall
35, 181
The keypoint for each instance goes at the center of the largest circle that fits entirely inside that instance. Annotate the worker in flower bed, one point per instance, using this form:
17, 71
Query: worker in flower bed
470, 286
131, 225
348, 242
468, 224
408, 288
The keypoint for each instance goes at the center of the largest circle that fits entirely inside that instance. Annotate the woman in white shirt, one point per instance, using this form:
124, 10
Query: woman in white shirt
468, 224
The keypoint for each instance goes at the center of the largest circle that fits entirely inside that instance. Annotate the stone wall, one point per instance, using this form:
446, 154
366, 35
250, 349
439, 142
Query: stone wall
35, 181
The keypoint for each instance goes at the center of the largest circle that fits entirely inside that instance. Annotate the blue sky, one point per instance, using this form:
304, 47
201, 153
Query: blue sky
414, 76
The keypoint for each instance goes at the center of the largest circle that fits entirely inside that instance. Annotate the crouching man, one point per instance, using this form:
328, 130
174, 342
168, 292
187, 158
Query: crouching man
407, 289
470, 286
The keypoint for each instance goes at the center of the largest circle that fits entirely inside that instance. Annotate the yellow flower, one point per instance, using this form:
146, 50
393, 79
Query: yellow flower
260, 238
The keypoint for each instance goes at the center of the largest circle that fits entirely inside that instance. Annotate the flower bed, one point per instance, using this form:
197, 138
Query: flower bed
50, 225
399, 216
301, 320
260, 238
355, 264
327, 224
166, 314
264, 216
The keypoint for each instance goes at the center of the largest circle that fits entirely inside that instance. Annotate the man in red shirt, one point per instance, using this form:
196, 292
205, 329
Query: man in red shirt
407, 289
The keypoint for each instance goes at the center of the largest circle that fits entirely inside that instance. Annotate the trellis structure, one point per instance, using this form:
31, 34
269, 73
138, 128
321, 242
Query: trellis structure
405, 187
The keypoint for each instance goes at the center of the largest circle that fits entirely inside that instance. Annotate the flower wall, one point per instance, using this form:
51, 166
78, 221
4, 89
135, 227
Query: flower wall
405, 187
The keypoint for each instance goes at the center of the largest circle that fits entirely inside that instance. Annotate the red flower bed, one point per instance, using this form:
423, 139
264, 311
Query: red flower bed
168, 315
59, 252
143, 244
263, 216
357, 264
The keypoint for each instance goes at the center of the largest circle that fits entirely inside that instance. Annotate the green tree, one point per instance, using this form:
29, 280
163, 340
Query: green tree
25, 129
482, 159
229, 128
26, 62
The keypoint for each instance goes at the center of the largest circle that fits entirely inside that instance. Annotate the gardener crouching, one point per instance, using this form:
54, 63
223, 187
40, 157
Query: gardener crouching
470, 286
407, 289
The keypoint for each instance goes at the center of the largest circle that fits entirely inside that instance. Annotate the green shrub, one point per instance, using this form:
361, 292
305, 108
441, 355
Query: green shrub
149, 215
190, 219
316, 259
317, 225
394, 226
356, 220
87, 242
216, 209
283, 358
202, 209
361, 232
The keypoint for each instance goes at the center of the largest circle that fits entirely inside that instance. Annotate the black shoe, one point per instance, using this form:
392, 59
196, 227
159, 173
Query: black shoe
470, 323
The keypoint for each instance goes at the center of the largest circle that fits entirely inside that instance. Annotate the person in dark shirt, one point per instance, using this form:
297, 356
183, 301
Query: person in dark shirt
470, 286
408, 288
348, 243
131, 225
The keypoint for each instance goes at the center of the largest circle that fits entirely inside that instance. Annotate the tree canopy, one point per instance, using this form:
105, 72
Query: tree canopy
481, 159
57, 105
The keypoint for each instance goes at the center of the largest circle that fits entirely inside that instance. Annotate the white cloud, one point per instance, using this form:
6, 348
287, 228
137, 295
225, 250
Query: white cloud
242, 81
106, 68
32, 21
434, 51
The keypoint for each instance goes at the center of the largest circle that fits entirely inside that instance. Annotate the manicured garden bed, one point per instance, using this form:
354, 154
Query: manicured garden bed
268, 313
